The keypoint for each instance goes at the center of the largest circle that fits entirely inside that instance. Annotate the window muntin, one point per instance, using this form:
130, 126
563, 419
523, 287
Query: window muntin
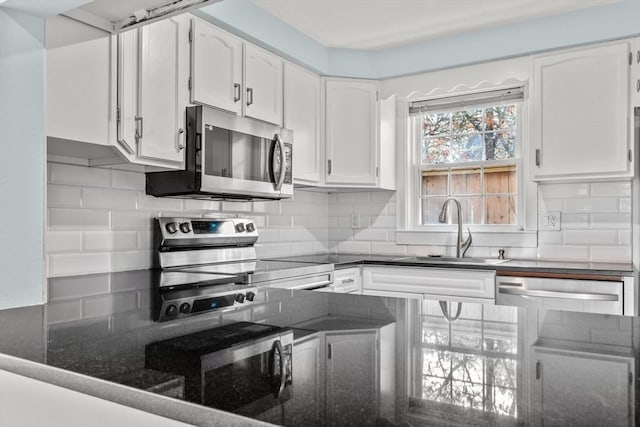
471, 154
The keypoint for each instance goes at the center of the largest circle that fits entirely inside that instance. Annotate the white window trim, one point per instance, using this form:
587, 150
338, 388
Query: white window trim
410, 233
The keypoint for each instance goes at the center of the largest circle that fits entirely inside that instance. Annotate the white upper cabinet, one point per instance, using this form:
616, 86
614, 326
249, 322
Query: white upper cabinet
302, 115
580, 112
239, 77
153, 92
216, 67
351, 132
263, 85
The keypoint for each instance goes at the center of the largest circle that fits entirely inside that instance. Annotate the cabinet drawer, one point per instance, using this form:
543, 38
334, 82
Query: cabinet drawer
588, 296
347, 280
430, 281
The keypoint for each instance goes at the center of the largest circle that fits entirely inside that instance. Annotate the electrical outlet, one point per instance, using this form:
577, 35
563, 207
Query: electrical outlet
550, 221
355, 220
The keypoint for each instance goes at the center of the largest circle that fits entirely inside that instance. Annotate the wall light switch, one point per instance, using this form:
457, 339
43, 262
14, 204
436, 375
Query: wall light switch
550, 221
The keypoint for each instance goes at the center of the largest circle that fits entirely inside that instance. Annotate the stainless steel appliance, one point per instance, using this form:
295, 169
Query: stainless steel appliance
229, 157
243, 367
207, 264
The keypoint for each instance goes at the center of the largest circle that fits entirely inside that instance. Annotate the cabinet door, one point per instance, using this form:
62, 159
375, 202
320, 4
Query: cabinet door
351, 132
580, 113
351, 378
161, 105
302, 115
263, 85
308, 384
127, 89
581, 389
216, 67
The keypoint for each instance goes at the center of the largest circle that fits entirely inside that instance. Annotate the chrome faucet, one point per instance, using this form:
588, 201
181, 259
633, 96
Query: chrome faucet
461, 247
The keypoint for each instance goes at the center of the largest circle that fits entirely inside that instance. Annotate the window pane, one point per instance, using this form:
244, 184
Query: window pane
465, 181
500, 209
505, 147
436, 124
503, 117
436, 389
436, 150
467, 367
434, 183
467, 121
466, 148
431, 209
500, 180
436, 363
471, 210
467, 395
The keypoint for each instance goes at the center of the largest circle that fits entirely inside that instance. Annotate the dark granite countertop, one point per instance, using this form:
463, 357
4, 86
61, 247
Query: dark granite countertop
345, 260
393, 361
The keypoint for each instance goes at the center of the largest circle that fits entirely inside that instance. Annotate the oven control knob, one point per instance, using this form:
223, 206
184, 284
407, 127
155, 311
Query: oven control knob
185, 227
185, 308
240, 298
250, 296
171, 311
171, 227
250, 227
240, 227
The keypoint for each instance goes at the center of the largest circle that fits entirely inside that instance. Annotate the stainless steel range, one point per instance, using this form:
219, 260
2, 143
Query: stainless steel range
208, 264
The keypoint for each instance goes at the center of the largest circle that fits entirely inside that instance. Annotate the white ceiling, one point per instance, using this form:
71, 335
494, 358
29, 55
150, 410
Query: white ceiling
378, 24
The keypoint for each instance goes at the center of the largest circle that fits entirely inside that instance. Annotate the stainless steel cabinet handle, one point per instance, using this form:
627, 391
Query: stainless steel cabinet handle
537, 157
249, 96
180, 139
348, 281
328, 167
558, 294
236, 92
329, 352
139, 127
638, 85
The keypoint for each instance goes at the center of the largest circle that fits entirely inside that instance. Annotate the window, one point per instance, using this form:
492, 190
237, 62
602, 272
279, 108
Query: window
468, 147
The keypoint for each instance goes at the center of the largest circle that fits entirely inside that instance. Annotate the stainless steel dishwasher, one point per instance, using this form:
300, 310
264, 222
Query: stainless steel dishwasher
606, 295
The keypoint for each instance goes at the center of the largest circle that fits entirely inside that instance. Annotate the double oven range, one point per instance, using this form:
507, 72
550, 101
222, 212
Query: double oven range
210, 264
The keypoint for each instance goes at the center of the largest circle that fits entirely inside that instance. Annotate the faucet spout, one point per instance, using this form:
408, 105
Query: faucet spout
461, 246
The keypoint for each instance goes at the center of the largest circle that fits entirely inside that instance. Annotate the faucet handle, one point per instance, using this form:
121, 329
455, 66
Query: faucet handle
464, 246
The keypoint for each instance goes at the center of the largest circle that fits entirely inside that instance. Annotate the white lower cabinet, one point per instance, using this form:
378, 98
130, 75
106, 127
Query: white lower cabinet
351, 378
581, 388
419, 282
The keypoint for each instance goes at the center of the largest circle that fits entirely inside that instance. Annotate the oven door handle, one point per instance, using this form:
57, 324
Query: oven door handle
277, 348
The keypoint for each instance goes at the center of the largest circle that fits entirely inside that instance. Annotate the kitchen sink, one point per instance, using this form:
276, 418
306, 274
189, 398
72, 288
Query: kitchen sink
454, 260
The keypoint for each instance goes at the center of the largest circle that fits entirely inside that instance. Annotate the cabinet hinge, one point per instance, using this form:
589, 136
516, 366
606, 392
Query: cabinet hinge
630, 155
189, 84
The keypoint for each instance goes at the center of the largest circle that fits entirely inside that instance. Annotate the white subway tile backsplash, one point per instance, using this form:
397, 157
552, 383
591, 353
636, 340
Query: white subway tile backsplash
78, 263
275, 221
564, 190
237, 206
611, 254
383, 196
102, 198
78, 219
340, 234
127, 180
64, 196
132, 220
624, 205
615, 221
353, 198
355, 247
590, 237
158, 203
201, 205
101, 241
270, 207
564, 252
131, 260
79, 175
614, 188
291, 235
145, 239
574, 220
585, 204
371, 234
63, 241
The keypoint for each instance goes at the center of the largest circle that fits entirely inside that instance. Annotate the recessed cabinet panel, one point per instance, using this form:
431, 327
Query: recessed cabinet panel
128, 89
351, 132
302, 116
161, 127
216, 67
580, 113
263, 85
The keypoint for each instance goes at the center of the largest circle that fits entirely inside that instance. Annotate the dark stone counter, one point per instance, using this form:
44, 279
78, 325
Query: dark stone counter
392, 361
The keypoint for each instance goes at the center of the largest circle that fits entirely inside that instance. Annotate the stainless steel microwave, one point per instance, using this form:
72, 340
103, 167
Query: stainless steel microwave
229, 157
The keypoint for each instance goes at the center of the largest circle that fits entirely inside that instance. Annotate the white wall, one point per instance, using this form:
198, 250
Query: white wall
22, 154
100, 220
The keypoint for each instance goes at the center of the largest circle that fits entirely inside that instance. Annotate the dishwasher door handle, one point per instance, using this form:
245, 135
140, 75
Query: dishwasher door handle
558, 294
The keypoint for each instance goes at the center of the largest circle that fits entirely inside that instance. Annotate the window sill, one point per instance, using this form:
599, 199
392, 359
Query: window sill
512, 239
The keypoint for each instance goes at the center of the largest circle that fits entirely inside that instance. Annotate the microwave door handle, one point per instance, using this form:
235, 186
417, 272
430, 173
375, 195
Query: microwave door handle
280, 145
277, 348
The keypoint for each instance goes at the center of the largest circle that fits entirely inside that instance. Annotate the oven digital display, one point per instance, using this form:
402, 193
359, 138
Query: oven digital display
206, 227
212, 303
